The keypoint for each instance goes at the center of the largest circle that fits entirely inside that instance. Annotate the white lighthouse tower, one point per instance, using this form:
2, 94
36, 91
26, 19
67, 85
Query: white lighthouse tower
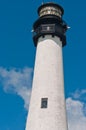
47, 106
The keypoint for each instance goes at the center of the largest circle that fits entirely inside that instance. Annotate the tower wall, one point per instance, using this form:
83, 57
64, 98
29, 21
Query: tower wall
48, 84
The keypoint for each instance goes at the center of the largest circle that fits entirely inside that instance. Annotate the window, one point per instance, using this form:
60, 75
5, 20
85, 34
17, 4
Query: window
44, 102
48, 28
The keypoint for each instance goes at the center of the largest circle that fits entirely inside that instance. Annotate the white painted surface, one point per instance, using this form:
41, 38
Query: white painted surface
48, 83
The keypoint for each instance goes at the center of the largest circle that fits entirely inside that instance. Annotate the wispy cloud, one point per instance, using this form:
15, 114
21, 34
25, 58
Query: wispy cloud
76, 116
79, 94
17, 81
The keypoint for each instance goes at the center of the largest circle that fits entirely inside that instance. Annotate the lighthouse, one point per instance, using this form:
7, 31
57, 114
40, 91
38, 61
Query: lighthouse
47, 109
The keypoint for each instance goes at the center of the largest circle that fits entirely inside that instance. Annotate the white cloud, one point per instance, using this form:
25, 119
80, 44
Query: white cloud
79, 94
17, 81
75, 114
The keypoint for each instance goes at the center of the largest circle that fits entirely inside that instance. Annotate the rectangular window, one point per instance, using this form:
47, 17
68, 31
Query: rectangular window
48, 27
44, 102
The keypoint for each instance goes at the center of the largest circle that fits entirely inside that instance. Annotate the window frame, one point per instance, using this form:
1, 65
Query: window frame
44, 103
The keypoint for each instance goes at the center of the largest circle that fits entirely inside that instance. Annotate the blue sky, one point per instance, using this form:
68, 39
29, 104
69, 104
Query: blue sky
17, 56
